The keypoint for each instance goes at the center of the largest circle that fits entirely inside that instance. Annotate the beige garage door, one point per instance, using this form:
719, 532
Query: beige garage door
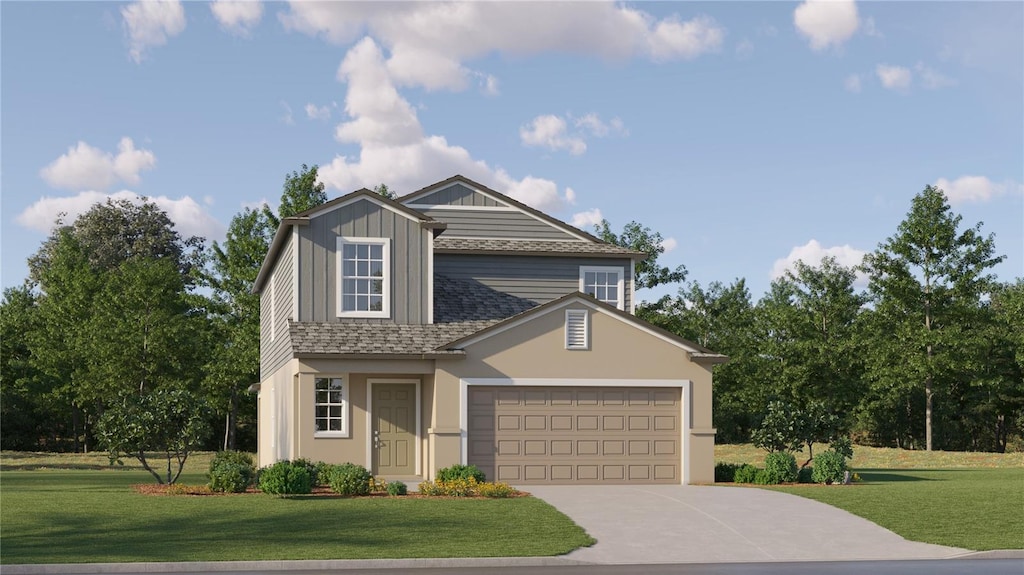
528, 435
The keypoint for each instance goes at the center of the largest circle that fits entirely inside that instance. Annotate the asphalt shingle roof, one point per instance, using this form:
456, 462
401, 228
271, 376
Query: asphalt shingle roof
461, 300
377, 338
529, 247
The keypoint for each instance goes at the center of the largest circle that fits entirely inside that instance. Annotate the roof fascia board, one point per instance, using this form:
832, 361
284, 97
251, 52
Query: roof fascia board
372, 197
596, 255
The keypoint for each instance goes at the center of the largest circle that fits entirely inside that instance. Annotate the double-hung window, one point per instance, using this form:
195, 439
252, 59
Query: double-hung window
603, 283
364, 287
331, 405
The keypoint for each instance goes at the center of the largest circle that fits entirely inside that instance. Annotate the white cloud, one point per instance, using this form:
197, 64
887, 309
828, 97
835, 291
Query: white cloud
813, 252
669, 244
549, 132
852, 83
826, 22
745, 49
394, 148
287, 118
894, 77
593, 124
189, 217
931, 79
314, 112
429, 42
587, 220
84, 166
979, 189
151, 23
237, 17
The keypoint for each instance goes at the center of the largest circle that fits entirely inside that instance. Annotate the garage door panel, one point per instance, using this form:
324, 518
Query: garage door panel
576, 435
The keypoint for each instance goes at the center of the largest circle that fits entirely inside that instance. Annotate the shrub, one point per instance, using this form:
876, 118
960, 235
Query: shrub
804, 475
182, 489
725, 472
323, 471
780, 467
763, 477
829, 467
429, 488
311, 469
285, 478
397, 488
378, 485
842, 446
495, 490
231, 471
461, 472
746, 473
350, 479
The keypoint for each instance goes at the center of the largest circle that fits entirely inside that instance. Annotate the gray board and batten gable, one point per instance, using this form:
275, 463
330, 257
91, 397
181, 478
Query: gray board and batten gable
276, 305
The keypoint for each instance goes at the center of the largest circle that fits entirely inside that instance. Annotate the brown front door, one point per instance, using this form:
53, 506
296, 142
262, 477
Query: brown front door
394, 429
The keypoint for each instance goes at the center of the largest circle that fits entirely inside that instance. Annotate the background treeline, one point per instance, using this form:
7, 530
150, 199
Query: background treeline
929, 355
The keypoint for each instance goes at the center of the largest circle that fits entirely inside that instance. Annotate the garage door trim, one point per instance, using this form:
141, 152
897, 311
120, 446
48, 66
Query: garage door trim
685, 396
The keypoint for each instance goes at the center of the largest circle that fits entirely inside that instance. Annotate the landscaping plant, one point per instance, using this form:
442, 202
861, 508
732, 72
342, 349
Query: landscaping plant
285, 478
397, 488
349, 479
461, 472
829, 467
231, 471
780, 467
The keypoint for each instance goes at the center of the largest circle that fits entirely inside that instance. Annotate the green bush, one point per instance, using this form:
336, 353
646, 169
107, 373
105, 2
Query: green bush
285, 478
311, 469
460, 472
804, 475
725, 472
746, 473
397, 488
495, 490
231, 471
780, 467
322, 473
350, 479
829, 467
763, 477
842, 446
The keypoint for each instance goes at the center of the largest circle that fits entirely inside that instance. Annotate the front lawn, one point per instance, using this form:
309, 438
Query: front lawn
76, 516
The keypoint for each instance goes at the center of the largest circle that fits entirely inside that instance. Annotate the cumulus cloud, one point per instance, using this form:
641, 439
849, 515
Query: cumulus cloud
395, 149
852, 83
84, 166
151, 23
813, 252
429, 42
967, 189
586, 220
932, 79
314, 112
189, 217
894, 77
549, 132
826, 23
669, 244
237, 17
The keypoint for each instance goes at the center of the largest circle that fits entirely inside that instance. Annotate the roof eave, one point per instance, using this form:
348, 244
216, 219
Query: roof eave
280, 237
449, 354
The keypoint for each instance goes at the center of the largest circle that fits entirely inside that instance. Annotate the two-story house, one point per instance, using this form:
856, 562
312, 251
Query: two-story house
457, 325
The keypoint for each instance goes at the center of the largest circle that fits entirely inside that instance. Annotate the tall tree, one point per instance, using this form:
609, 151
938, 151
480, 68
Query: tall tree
301, 192
925, 281
642, 239
385, 191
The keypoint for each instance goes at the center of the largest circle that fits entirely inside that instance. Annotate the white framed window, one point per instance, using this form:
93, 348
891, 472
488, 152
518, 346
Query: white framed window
330, 406
577, 332
603, 283
364, 282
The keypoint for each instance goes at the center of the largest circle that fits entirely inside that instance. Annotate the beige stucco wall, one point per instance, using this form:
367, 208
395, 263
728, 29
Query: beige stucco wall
275, 416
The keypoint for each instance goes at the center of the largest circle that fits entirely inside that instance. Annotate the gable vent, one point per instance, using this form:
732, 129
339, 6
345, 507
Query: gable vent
576, 329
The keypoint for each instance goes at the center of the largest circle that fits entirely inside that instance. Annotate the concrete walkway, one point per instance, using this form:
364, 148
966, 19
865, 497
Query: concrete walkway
703, 524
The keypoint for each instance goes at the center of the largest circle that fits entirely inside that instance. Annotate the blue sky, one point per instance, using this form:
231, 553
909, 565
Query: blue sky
748, 134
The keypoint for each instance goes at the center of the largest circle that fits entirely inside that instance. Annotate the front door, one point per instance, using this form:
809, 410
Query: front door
394, 428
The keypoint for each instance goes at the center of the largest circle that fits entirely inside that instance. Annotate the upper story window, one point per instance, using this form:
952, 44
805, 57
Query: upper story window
604, 283
331, 405
364, 288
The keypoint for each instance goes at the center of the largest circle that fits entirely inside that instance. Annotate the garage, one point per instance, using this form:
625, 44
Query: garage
588, 435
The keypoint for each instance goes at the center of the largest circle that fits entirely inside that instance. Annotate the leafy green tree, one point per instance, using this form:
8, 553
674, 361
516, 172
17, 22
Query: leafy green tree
925, 284
642, 239
781, 429
301, 192
171, 422
385, 191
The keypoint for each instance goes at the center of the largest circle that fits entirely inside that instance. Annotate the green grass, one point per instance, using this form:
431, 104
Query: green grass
961, 499
85, 516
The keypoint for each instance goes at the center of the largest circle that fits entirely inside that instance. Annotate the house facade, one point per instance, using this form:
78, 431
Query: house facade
457, 325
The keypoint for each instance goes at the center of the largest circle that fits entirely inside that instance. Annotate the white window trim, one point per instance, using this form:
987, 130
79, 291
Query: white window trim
387, 278
346, 411
586, 329
606, 269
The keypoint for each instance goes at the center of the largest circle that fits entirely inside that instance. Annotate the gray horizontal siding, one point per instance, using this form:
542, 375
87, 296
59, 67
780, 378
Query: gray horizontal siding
539, 279
319, 274
495, 224
275, 353
457, 195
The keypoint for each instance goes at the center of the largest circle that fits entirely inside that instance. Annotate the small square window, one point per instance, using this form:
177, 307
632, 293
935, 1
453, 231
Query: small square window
604, 284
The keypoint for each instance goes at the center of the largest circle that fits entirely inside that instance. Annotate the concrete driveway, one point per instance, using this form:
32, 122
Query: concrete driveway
704, 524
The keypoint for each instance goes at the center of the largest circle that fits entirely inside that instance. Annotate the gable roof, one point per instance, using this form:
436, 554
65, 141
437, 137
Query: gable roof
696, 352
303, 218
531, 247
381, 340
501, 198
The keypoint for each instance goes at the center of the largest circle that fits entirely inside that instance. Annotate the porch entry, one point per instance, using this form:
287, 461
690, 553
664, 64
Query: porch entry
394, 428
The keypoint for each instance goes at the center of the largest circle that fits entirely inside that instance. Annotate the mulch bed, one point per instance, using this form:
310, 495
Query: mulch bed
204, 491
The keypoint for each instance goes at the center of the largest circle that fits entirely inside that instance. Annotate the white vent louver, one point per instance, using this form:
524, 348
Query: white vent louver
576, 329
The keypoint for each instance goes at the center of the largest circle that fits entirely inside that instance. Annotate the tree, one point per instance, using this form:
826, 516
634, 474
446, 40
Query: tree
925, 283
301, 192
642, 239
385, 191
170, 421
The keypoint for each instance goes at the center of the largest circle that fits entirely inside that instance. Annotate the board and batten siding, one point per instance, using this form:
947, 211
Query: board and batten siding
274, 316
457, 195
318, 262
502, 224
536, 278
